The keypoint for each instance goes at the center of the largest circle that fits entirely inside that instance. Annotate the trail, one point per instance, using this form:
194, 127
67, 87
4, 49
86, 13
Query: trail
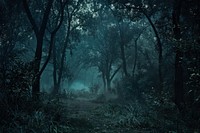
86, 116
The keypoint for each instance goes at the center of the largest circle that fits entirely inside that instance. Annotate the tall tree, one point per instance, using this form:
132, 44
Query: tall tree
39, 31
57, 20
105, 55
75, 18
134, 9
179, 55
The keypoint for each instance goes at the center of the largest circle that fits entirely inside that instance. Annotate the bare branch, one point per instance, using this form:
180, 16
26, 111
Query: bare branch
45, 17
115, 72
30, 17
52, 40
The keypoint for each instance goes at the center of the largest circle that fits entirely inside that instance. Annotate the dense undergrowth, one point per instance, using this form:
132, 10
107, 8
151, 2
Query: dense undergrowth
28, 116
150, 117
51, 115
61, 113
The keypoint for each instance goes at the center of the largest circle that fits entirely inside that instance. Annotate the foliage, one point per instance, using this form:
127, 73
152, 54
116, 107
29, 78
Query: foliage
107, 35
45, 117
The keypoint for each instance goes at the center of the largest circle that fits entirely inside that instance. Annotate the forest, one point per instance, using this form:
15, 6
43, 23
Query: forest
99, 66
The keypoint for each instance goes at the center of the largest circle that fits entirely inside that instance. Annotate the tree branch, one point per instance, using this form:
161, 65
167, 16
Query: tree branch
115, 72
52, 40
30, 17
45, 17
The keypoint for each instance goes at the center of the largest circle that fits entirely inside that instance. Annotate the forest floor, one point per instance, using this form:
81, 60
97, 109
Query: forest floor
83, 115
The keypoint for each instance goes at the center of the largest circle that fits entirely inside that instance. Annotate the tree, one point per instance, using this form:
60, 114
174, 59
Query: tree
39, 32
58, 22
76, 16
126, 36
134, 9
178, 59
105, 55
187, 58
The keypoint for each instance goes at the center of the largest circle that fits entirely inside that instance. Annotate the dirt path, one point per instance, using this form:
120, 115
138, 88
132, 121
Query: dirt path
85, 116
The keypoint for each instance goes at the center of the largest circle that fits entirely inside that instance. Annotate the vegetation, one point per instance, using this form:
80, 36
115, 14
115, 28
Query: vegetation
102, 66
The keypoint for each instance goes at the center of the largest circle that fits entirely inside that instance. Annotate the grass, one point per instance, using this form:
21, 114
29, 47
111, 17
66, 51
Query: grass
62, 114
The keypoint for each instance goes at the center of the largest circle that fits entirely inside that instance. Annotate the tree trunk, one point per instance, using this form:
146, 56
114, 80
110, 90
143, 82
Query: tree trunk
178, 84
39, 33
178, 90
36, 88
104, 82
110, 77
134, 82
135, 60
123, 57
159, 45
37, 62
60, 72
108, 85
54, 70
53, 34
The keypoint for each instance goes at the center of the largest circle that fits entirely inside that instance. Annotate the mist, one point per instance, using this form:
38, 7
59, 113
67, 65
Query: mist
100, 66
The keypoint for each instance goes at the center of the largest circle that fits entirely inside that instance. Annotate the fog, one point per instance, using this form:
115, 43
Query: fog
99, 66
78, 85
